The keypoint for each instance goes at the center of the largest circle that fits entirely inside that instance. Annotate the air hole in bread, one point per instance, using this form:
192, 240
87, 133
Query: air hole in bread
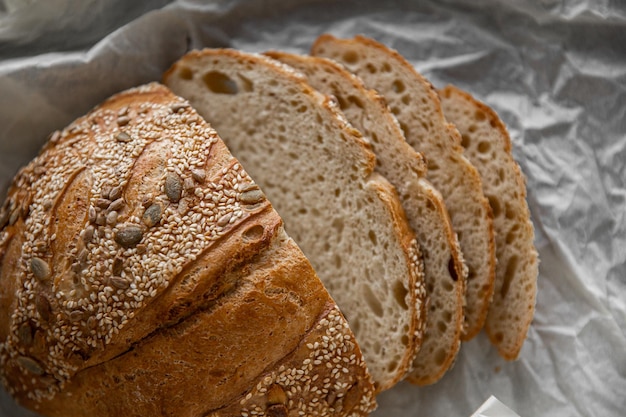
472, 128
343, 104
386, 67
273, 83
479, 115
302, 109
510, 212
511, 266
337, 192
371, 68
372, 301
484, 147
248, 85
406, 99
395, 110
338, 225
185, 73
405, 339
220, 83
432, 166
398, 86
320, 139
510, 237
499, 337
496, 208
318, 118
337, 259
465, 141
303, 210
294, 155
448, 286
393, 365
492, 123
442, 326
372, 237
351, 57
452, 270
400, 293
355, 101
253, 234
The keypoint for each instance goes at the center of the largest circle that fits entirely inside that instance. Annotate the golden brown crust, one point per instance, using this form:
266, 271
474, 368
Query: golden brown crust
513, 303
139, 229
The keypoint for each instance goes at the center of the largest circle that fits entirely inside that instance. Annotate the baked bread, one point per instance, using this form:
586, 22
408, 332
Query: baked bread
444, 270
144, 273
318, 172
415, 103
488, 147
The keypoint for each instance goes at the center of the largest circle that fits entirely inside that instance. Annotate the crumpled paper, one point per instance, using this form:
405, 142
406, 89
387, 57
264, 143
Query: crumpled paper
494, 408
554, 70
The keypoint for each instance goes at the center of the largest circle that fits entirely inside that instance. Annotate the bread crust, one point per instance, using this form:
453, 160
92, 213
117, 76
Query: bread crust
507, 322
144, 266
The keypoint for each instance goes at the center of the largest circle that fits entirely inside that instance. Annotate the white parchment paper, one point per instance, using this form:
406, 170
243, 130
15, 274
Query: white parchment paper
555, 70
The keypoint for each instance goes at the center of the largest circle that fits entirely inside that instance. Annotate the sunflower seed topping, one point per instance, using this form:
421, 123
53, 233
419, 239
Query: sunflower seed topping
129, 236
152, 215
123, 137
173, 187
30, 365
39, 268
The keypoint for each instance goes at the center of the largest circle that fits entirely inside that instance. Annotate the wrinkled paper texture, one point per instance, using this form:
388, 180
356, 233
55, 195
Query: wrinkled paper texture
494, 408
554, 70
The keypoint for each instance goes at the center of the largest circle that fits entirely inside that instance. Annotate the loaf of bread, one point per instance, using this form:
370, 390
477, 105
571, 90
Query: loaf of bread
444, 270
318, 172
415, 103
144, 273
488, 146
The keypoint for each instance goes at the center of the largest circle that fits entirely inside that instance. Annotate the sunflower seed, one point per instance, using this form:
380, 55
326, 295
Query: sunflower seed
129, 236
40, 246
141, 249
88, 234
40, 268
188, 184
117, 205
76, 315
249, 187
123, 120
178, 106
118, 263
152, 215
92, 214
103, 203
14, 216
92, 322
199, 175
105, 192
30, 365
252, 197
123, 111
25, 334
101, 220
276, 395
115, 193
120, 283
223, 221
43, 307
123, 137
173, 187
147, 201
112, 218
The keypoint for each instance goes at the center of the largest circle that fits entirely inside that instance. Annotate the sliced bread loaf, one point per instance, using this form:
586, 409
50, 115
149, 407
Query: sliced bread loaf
318, 172
444, 270
415, 103
488, 146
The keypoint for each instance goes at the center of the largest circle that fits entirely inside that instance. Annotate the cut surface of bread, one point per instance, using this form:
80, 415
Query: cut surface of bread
444, 270
144, 273
318, 172
415, 103
488, 146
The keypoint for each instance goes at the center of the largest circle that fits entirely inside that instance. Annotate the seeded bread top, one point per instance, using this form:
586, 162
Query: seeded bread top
101, 224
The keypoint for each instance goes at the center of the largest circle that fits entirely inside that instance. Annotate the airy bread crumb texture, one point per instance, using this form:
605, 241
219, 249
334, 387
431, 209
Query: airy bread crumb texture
444, 269
414, 101
488, 146
317, 171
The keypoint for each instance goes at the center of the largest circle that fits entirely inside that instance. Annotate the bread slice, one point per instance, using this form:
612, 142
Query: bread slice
415, 103
444, 270
318, 172
488, 146
144, 273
